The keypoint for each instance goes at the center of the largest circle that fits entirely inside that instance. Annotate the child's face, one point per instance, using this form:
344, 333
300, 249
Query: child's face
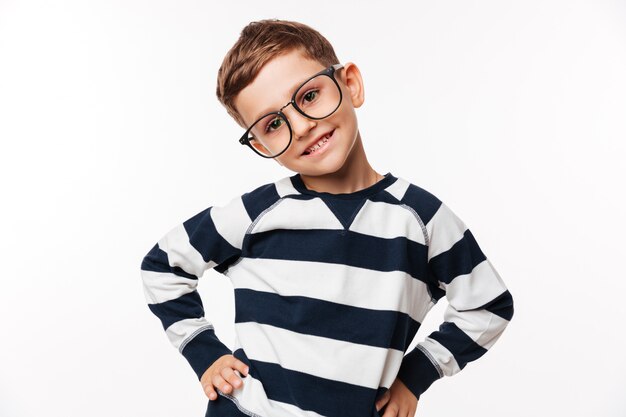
273, 88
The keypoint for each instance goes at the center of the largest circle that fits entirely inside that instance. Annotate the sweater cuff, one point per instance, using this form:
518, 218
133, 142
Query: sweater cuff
418, 372
204, 349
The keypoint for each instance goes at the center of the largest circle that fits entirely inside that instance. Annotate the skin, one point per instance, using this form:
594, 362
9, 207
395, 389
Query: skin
343, 168
221, 374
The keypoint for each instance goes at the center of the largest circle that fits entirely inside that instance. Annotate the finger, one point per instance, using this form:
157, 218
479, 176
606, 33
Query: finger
241, 367
210, 391
231, 377
220, 383
380, 403
391, 411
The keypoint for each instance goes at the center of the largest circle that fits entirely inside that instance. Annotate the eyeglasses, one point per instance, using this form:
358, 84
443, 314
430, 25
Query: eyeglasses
316, 98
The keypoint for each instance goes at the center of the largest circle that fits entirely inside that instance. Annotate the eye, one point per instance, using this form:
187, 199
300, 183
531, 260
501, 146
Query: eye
272, 124
310, 95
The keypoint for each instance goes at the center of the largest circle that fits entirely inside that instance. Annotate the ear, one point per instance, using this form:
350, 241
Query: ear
354, 82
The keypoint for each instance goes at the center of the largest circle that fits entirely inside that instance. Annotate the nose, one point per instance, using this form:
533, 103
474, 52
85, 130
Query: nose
300, 124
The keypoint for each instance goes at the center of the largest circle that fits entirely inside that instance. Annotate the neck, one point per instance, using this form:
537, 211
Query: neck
354, 175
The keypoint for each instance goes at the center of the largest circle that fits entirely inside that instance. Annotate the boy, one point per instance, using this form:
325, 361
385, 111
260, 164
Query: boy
333, 268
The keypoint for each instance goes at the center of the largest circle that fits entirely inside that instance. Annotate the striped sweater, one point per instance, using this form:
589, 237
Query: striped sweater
330, 290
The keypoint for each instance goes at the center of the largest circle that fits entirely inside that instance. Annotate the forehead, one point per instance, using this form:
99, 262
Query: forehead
274, 84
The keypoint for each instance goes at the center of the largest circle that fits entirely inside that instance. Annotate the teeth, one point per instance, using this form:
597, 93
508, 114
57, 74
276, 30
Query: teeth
319, 144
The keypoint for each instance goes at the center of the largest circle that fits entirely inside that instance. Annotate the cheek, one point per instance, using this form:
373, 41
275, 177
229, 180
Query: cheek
344, 117
280, 159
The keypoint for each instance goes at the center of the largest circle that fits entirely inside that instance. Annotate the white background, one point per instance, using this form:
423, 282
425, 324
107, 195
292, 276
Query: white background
513, 113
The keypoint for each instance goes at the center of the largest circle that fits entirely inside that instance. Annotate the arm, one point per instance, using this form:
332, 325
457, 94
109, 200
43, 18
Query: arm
480, 306
170, 271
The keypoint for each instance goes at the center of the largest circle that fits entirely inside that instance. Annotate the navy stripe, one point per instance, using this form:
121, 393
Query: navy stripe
417, 372
385, 197
204, 349
422, 201
186, 306
344, 209
340, 399
204, 237
458, 343
433, 286
502, 305
460, 259
157, 261
340, 247
305, 315
259, 199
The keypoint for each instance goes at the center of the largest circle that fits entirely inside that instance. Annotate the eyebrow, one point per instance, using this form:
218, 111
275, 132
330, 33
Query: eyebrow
267, 110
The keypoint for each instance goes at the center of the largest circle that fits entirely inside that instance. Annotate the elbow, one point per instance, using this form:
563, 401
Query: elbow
502, 305
509, 309
154, 260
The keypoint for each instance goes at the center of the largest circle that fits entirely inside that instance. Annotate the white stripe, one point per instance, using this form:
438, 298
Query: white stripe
310, 354
445, 228
398, 222
339, 283
181, 253
231, 221
285, 187
160, 287
399, 188
295, 214
251, 397
482, 326
183, 331
248, 397
475, 289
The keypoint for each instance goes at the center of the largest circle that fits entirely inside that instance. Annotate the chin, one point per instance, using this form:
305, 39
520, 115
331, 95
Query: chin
325, 168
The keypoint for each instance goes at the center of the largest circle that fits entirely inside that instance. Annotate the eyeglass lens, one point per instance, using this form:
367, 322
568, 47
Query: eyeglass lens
317, 98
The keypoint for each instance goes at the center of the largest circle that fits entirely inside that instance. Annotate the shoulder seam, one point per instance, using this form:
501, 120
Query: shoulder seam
420, 221
261, 214
251, 226
426, 240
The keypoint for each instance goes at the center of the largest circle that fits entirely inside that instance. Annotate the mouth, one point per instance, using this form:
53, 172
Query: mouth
318, 147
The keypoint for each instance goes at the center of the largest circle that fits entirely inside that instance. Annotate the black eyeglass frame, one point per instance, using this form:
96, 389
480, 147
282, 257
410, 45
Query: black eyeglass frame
330, 72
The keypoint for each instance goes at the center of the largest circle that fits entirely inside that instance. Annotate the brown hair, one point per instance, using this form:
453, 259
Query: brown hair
258, 43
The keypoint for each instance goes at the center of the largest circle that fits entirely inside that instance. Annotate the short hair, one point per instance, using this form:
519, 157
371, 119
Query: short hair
258, 43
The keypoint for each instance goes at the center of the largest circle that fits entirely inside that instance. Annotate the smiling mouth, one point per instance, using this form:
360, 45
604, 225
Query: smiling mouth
322, 145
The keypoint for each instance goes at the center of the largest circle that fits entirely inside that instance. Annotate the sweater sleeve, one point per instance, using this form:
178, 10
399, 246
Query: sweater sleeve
479, 304
170, 271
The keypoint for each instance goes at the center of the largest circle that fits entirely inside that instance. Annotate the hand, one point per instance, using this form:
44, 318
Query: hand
221, 374
401, 401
